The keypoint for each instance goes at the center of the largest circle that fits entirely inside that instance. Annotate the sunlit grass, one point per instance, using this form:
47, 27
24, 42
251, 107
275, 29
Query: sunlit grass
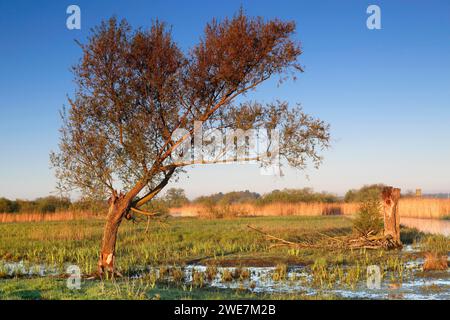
161, 255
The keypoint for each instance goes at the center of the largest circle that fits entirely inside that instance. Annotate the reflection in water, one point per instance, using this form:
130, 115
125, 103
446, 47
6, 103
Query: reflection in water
435, 226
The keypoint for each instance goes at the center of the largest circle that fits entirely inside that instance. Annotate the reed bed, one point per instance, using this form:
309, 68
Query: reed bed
273, 209
424, 208
408, 207
41, 217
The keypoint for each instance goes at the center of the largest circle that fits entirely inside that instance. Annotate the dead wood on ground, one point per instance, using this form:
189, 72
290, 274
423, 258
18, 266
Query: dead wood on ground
368, 241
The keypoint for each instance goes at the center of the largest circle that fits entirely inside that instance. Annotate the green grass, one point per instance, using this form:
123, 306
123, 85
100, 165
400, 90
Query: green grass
56, 289
182, 241
437, 244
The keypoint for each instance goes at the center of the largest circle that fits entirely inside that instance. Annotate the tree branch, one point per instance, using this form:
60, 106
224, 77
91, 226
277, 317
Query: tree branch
154, 191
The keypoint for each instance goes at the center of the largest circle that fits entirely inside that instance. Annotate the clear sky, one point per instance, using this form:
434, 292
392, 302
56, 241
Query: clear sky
386, 93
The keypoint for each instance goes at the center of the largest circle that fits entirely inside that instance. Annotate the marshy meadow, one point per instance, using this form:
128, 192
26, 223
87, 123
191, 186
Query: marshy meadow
201, 251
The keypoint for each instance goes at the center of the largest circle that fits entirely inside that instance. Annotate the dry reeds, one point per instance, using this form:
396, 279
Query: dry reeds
38, 217
434, 261
424, 208
408, 207
273, 209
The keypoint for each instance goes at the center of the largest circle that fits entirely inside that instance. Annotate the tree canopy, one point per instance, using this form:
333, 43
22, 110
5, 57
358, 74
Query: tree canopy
134, 88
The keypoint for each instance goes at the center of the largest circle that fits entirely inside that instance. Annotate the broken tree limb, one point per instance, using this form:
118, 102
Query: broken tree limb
329, 242
282, 241
150, 214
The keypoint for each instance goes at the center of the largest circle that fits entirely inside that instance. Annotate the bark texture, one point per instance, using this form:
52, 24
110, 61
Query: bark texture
118, 209
390, 198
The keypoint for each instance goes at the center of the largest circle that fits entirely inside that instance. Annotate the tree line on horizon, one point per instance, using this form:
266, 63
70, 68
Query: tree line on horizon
176, 197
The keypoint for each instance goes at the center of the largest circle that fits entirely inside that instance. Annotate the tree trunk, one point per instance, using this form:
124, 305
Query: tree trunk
390, 198
118, 208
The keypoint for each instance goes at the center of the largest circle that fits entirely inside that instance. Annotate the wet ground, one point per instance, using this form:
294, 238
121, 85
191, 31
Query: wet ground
411, 283
417, 285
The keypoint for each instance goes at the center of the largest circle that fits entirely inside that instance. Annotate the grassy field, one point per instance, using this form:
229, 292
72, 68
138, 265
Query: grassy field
179, 243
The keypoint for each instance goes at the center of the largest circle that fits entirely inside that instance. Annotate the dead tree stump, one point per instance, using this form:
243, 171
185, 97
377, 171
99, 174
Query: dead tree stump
390, 198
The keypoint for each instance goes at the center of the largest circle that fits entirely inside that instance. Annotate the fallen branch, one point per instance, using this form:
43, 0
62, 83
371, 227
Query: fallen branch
367, 241
283, 241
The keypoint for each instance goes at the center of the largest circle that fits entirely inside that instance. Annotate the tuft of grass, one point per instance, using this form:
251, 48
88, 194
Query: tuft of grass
280, 272
241, 273
211, 272
227, 275
436, 248
410, 235
437, 244
198, 279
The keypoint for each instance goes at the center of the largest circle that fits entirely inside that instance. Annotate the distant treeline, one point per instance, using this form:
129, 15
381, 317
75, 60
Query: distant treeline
48, 205
176, 197
306, 195
285, 196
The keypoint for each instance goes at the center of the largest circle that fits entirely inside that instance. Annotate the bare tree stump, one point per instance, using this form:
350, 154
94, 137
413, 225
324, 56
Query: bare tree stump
390, 198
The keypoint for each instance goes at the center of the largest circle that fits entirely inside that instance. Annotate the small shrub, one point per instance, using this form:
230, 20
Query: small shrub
368, 220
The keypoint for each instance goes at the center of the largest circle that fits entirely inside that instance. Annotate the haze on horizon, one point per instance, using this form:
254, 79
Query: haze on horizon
384, 92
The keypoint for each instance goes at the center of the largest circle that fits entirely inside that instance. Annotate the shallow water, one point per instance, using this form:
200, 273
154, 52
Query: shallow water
415, 284
434, 286
435, 226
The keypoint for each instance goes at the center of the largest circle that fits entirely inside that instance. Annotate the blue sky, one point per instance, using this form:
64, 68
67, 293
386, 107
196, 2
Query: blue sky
386, 93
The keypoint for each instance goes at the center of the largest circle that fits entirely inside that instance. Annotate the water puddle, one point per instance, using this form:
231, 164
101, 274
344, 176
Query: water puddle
434, 226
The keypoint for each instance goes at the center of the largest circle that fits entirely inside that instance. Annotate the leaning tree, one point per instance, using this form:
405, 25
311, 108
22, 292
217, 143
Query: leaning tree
136, 88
